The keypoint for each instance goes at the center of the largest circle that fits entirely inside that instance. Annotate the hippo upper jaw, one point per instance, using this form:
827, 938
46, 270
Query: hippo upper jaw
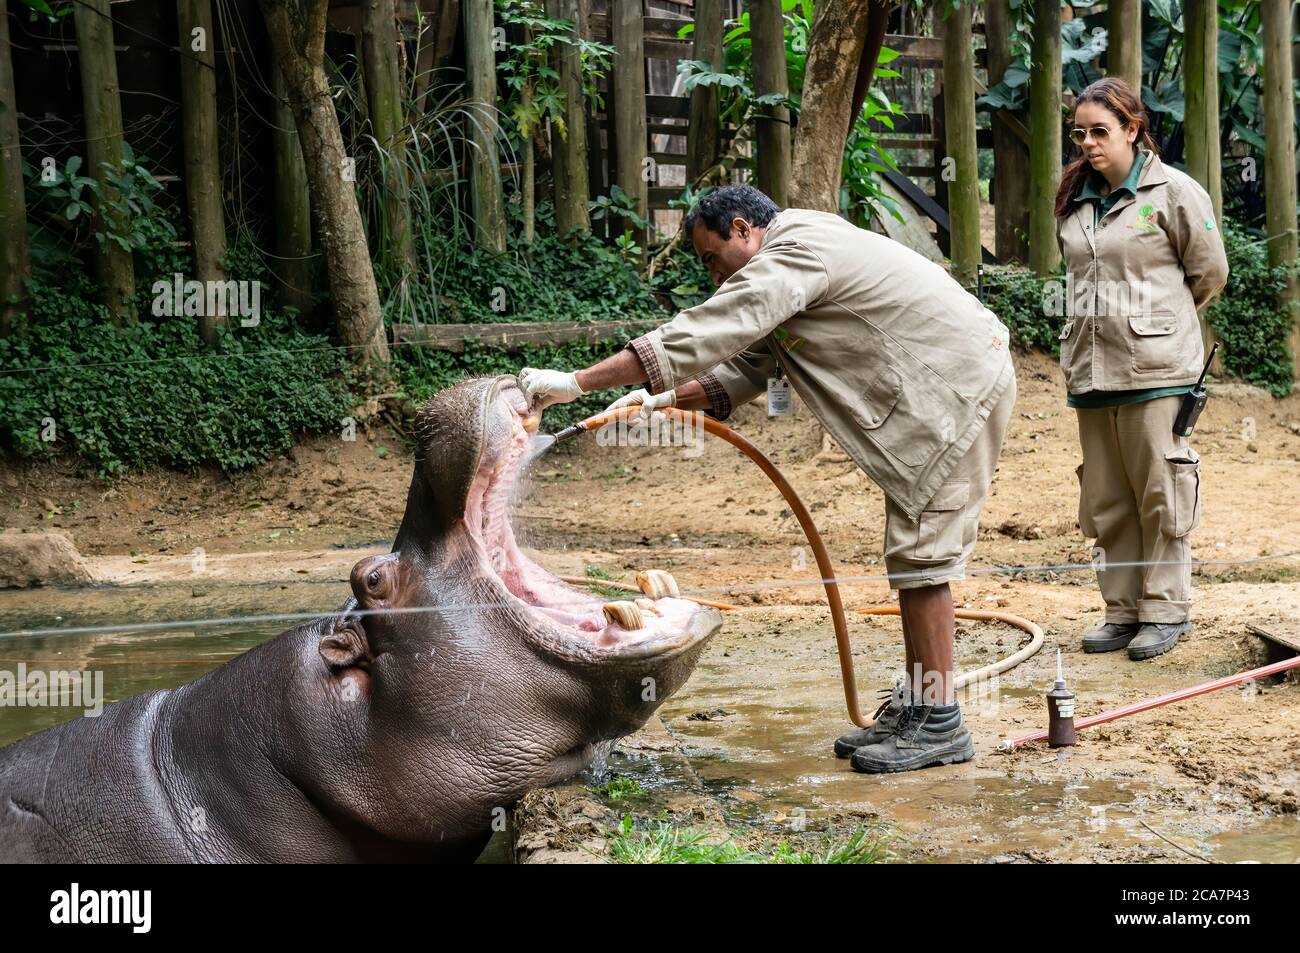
478, 474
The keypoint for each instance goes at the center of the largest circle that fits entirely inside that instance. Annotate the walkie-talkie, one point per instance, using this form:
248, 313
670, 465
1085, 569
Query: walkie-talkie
1193, 401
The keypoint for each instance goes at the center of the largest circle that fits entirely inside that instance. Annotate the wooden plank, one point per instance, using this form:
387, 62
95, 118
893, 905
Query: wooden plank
667, 107
511, 335
667, 49
1289, 639
666, 129
661, 195
923, 52
656, 28
921, 142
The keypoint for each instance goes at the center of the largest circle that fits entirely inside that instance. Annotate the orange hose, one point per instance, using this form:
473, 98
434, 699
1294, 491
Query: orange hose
824, 566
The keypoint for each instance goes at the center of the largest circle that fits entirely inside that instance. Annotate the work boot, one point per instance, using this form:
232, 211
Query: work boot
1156, 638
1110, 636
924, 735
887, 716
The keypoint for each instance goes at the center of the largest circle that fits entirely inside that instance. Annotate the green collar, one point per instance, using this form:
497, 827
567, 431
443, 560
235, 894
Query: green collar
1091, 191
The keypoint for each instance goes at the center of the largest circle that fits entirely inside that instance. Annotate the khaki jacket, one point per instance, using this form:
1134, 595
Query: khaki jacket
1135, 281
899, 363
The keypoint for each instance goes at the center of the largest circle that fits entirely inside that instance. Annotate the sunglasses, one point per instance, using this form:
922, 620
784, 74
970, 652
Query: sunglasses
1099, 133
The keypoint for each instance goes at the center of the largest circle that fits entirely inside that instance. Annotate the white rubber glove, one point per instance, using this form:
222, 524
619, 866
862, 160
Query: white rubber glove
544, 387
649, 402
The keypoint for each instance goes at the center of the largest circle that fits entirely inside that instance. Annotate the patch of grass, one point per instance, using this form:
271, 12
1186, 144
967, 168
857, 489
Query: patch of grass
621, 789
663, 843
598, 574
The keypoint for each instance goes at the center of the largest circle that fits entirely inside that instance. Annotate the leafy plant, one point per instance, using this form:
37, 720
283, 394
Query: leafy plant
121, 210
1251, 325
156, 395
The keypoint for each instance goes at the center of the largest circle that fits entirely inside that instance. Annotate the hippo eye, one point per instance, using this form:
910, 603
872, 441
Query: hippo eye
372, 580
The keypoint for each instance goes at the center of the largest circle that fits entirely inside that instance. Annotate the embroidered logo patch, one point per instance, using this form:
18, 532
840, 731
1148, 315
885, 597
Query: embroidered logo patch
1209, 224
787, 340
1144, 224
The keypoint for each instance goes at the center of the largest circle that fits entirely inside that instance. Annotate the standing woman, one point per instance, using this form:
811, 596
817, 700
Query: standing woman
1143, 254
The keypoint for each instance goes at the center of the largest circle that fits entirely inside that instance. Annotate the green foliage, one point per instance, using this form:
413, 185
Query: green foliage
683, 280
618, 204
425, 371
530, 67
120, 211
1251, 325
581, 279
620, 788
153, 394
663, 843
1015, 295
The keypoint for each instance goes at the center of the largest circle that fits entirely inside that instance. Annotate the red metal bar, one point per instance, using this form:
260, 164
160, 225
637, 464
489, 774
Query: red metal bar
1180, 695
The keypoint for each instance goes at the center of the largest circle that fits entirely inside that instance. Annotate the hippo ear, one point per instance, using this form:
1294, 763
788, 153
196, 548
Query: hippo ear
344, 644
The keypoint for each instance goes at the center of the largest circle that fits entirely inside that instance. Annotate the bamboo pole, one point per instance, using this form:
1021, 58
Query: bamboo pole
1124, 43
767, 27
569, 144
198, 63
1045, 136
627, 27
704, 134
1279, 158
1010, 155
102, 108
485, 165
293, 250
383, 77
1201, 150
15, 263
959, 134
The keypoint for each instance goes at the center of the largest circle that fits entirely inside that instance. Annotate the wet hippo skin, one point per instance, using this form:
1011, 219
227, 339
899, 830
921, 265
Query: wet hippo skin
458, 676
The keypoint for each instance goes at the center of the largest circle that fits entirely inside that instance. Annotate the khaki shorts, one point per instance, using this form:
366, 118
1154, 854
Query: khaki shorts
934, 549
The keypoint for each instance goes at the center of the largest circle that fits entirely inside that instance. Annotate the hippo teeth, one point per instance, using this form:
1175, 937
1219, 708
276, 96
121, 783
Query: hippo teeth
624, 614
656, 583
647, 606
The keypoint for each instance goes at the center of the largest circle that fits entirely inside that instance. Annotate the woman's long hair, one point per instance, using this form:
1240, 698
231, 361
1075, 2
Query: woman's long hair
1118, 98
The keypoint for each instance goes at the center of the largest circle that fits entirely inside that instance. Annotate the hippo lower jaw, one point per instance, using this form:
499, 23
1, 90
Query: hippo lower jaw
564, 620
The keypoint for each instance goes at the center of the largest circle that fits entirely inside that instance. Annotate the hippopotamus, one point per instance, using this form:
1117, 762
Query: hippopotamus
458, 676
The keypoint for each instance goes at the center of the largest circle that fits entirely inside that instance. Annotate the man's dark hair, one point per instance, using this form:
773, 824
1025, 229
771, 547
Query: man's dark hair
720, 206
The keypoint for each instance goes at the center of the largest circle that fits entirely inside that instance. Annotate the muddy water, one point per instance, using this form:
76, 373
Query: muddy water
768, 703
765, 757
135, 661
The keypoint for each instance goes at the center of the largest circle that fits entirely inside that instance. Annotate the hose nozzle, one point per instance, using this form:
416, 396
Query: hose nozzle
569, 432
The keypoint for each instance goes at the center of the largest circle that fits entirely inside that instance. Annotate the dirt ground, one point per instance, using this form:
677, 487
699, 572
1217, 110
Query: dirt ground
1216, 777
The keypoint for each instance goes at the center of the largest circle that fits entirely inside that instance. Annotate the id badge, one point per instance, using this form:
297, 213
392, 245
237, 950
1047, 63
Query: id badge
779, 400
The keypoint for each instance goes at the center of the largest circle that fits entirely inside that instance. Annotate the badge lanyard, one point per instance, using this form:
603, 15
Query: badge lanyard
780, 402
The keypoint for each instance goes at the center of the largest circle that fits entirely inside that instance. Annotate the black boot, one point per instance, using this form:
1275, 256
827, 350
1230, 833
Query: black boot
1110, 636
925, 735
1156, 638
887, 716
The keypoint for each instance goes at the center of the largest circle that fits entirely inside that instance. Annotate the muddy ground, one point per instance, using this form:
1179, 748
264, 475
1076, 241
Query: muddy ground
749, 736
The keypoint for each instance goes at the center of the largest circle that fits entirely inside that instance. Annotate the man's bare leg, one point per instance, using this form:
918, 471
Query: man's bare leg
929, 624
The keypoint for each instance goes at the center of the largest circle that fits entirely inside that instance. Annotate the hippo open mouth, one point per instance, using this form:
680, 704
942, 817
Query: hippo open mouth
655, 623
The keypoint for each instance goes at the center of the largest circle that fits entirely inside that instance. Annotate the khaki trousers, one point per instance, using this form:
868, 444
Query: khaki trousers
935, 548
1140, 498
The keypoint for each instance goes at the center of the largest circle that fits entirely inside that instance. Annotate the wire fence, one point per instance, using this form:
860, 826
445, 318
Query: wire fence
710, 592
